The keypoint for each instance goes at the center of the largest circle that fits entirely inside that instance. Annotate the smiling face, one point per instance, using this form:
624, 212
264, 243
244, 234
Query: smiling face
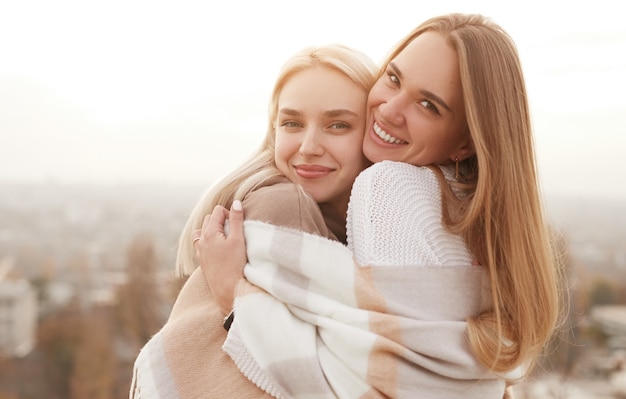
416, 110
319, 133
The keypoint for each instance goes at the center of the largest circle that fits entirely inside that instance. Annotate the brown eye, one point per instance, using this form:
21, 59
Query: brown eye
393, 78
429, 106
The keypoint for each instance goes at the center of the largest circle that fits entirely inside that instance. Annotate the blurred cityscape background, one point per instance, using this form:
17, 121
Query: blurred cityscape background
98, 96
87, 276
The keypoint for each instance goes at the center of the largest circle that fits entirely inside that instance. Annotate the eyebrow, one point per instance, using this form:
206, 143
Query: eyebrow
330, 113
423, 92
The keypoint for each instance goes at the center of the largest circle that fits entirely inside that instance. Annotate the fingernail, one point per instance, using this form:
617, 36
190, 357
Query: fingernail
237, 205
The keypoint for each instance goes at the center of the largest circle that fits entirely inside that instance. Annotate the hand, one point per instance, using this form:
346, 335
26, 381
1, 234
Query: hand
222, 254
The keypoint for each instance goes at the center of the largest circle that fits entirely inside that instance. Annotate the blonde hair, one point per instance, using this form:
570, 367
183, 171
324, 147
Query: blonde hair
260, 166
501, 219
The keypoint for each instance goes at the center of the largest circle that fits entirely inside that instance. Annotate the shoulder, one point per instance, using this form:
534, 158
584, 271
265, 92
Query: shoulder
397, 168
393, 173
285, 204
399, 185
277, 201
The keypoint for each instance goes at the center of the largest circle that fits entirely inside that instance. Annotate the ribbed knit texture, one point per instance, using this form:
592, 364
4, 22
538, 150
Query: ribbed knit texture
394, 218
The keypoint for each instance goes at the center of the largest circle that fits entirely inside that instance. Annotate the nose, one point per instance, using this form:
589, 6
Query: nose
392, 110
312, 142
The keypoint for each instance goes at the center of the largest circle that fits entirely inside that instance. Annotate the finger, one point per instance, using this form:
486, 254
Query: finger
214, 222
235, 218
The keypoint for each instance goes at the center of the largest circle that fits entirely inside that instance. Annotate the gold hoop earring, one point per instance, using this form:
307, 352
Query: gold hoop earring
456, 169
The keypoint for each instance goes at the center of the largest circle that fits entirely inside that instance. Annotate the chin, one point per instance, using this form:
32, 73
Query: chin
372, 153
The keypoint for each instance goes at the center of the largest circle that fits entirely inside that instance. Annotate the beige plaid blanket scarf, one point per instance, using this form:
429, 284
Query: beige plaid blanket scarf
311, 323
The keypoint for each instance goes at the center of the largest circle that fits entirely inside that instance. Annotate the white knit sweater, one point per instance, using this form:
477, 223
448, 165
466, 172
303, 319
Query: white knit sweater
394, 218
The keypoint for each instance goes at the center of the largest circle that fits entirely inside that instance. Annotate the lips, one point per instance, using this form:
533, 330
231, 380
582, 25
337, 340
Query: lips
312, 171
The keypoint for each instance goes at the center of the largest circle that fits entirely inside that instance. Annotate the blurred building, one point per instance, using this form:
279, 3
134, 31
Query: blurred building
18, 312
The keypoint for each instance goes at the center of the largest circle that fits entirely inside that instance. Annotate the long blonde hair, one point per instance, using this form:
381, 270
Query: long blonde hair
260, 166
502, 218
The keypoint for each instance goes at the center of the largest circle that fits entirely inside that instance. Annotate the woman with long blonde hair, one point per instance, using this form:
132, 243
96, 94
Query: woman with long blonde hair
500, 214
316, 117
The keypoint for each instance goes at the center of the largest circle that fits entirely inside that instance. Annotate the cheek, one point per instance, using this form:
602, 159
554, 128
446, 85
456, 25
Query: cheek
370, 150
281, 153
353, 159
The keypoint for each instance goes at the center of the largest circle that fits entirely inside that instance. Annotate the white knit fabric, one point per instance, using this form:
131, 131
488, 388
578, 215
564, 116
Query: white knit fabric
394, 218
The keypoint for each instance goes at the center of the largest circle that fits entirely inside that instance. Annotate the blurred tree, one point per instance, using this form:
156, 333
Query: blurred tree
140, 304
601, 292
41, 286
620, 293
5, 368
58, 339
95, 359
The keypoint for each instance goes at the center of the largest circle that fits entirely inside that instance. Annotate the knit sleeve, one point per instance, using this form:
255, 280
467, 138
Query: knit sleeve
394, 218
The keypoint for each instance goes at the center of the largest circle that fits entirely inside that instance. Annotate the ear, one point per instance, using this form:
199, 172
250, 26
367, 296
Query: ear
465, 151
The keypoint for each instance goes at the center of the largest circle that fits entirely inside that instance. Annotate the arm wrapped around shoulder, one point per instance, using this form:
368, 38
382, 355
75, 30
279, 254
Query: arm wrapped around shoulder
286, 205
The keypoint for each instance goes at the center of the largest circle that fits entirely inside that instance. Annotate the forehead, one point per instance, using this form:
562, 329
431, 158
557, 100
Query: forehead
431, 63
322, 88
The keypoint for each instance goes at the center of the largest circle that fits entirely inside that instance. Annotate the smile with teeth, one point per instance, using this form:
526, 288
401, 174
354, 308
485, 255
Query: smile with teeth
386, 137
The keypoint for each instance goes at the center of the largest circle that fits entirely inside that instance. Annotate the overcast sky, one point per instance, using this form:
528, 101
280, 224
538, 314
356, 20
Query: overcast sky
176, 91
